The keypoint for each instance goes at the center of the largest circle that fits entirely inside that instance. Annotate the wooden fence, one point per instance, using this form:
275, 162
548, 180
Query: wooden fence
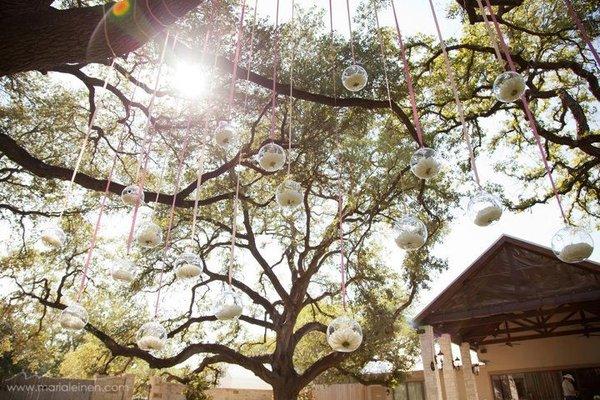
351, 391
162, 390
239, 394
23, 387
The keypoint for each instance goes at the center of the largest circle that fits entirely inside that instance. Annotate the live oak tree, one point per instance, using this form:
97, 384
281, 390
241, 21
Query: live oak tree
286, 266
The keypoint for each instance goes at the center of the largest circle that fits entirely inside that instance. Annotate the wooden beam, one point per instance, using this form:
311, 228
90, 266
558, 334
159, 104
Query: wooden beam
513, 307
537, 328
538, 336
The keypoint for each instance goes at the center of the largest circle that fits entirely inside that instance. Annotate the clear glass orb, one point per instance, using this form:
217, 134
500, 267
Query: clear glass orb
53, 236
344, 334
289, 194
149, 235
188, 265
225, 135
509, 87
572, 244
412, 233
484, 209
74, 317
151, 336
132, 195
271, 157
425, 163
354, 78
229, 305
124, 271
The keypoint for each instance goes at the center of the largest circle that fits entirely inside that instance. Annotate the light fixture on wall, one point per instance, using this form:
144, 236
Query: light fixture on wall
457, 363
475, 369
439, 358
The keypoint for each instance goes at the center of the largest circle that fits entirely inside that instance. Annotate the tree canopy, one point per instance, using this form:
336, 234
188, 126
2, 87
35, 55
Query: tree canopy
286, 266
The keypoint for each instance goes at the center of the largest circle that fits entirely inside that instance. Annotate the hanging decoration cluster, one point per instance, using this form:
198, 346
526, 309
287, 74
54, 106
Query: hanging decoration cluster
344, 334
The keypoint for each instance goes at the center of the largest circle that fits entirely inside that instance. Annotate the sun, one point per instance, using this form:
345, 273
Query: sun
190, 79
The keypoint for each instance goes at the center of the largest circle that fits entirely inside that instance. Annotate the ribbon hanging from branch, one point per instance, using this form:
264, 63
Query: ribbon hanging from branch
236, 59
86, 138
383, 56
409, 81
239, 157
526, 108
149, 135
291, 98
459, 105
93, 240
582, 31
340, 187
350, 31
275, 65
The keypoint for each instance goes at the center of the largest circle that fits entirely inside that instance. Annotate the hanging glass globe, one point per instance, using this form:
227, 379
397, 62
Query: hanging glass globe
149, 235
412, 233
271, 157
132, 195
289, 194
124, 271
188, 265
509, 86
354, 78
74, 317
151, 336
224, 135
229, 305
572, 244
344, 334
53, 236
425, 163
484, 209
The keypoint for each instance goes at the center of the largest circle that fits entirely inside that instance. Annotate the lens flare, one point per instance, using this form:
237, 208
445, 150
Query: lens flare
121, 8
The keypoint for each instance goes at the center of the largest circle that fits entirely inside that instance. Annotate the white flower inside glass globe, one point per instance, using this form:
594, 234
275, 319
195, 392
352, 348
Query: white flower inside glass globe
229, 305
191, 79
53, 236
149, 235
344, 334
411, 233
188, 265
74, 317
509, 87
124, 271
224, 135
425, 163
354, 78
289, 194
484, 209
151, 336
572, 244
132, 195
271, 157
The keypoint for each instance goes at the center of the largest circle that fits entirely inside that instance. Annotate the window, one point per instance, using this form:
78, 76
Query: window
541, 385
409, 391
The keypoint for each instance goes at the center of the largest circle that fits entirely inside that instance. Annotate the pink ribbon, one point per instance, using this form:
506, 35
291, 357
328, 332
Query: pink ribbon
459, 106
528, 112
146, 152
409, 81
275, 63
582, 31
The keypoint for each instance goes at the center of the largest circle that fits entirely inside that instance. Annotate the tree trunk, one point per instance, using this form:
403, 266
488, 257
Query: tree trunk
42, 39
286, 390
